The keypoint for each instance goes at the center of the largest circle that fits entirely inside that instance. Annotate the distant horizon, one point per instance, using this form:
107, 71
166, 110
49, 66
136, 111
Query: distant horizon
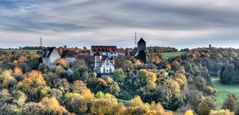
89, 47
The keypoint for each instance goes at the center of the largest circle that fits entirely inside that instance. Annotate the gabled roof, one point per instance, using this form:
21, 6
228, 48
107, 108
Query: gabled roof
141, 40
103, 48
47, 52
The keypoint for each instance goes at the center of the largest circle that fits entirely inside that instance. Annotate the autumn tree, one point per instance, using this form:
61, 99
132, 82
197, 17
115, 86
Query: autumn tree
206, 104
230, 102
33, 84
6, 79
62, 62
136, 101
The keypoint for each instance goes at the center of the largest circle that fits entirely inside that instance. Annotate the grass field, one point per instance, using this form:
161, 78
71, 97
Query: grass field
223, 91
171, 54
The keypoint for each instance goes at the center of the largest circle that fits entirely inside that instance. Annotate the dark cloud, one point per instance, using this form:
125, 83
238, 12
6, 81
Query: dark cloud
168, 22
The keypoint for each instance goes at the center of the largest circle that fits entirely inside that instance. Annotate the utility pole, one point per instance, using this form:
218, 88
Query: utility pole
135, 39
41, 42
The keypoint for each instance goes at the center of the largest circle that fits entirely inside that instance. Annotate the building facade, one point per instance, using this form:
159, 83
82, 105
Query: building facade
103, 64
50, 55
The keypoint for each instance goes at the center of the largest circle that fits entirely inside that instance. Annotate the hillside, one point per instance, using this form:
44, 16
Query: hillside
174, 85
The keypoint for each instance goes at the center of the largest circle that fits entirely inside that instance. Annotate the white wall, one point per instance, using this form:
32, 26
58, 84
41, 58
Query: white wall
107, 67
54, 56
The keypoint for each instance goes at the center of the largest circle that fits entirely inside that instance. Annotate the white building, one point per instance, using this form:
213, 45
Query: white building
50, 55
104, 65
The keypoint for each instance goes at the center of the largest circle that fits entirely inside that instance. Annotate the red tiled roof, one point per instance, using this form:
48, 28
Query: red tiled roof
120, 50
103, 48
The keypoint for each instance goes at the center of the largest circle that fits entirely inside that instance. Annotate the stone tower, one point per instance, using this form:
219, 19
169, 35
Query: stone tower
141, 50
141, 45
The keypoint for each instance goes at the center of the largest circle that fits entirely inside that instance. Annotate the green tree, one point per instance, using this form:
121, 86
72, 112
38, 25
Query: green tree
227, 73
119, 75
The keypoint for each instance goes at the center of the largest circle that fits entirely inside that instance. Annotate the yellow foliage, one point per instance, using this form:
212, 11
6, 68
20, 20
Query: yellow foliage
221, 112
136, 101
174, 86
80, 87
52, 104
181, 79
34, 78
189, 112
45, 90
143, 73
159, 108
152, 77
6, 78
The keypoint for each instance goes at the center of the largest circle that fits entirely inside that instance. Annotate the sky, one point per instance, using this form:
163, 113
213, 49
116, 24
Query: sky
78, 23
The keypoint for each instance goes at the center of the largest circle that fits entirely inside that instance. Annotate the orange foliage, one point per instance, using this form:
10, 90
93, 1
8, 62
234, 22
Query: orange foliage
52, 104
34, 78
17, 71
138, 62
62, 62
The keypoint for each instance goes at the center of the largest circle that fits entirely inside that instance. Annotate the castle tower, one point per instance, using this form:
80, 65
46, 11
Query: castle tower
141, 53
141, 45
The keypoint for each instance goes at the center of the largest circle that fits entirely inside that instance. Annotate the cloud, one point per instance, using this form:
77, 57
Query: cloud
184, 23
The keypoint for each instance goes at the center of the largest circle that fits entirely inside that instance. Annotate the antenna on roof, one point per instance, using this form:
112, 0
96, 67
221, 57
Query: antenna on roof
135, 39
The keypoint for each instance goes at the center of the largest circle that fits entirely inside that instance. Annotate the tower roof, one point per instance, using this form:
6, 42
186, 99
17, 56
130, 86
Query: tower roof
141, 40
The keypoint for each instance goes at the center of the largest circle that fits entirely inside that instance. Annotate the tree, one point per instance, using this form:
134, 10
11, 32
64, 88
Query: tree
119, 75
136, 101
52, 104
34, 78
227, 73
6, 79
206, 104
80, 87
34, 85
62, 62
230, 102
237, 109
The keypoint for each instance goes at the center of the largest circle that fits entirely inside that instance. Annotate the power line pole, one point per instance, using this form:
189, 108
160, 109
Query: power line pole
41, 42
135, 39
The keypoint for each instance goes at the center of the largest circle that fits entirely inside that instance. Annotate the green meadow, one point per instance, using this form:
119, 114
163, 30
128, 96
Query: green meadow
223, 91
171, 54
